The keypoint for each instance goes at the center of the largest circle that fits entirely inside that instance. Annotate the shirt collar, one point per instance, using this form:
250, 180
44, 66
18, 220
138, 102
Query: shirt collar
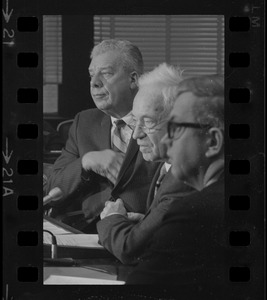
167, 166
214, 172
127, 119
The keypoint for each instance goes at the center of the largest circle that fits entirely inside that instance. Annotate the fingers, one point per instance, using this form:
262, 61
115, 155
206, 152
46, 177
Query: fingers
115, 162
136, 217
106, 163
120, 157
119, 201
111, 165
111, 208
112, 173
103, 215
96, 160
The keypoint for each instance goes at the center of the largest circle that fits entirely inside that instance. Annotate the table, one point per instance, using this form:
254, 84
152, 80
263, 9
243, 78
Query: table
87, 271
79, 264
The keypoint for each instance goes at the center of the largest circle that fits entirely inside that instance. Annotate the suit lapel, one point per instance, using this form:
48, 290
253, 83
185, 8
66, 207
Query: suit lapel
151, 192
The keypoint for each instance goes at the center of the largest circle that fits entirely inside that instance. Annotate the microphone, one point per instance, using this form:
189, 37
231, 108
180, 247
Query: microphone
54, 260
53, 244
54, 195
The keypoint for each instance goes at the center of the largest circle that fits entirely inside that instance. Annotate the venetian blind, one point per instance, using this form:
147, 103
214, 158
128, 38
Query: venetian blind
52, 61
195, 43
52, 43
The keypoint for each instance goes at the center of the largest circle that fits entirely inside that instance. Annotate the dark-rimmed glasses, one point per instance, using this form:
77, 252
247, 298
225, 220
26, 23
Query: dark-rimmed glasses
174, 129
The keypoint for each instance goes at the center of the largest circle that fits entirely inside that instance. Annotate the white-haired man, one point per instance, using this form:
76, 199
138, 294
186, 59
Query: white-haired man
125, 234
100, 158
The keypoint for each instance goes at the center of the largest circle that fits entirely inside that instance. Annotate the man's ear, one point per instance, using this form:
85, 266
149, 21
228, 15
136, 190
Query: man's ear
134, 79
215, 142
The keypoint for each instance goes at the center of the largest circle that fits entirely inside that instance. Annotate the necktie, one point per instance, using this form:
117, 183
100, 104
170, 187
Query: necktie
162, 173
118, 143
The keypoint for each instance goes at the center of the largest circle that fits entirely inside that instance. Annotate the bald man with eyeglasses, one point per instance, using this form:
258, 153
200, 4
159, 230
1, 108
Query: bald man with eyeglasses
124, 234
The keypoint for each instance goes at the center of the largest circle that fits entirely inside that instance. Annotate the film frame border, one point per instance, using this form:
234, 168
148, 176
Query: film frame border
21, 148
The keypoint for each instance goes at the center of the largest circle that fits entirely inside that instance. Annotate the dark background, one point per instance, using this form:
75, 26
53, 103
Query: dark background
74, 92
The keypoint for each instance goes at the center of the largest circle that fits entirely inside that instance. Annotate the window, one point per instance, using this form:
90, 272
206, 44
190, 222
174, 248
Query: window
52, 62
195, 43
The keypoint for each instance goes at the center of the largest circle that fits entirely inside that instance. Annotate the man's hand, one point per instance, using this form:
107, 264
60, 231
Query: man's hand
135, 217
106, 163
112, 208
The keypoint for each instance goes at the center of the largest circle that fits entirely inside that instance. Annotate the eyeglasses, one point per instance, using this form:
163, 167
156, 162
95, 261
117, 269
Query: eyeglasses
175, 129
148, 127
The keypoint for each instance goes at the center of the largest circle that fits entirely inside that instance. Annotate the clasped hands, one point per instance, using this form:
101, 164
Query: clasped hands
106, 163
117, 207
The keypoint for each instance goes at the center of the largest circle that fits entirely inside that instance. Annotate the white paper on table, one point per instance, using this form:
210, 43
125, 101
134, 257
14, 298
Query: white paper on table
54, 228
76, 240
78, 275
67, 238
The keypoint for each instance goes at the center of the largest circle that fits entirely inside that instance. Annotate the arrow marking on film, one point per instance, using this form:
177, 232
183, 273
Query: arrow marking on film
6, 14
6, 155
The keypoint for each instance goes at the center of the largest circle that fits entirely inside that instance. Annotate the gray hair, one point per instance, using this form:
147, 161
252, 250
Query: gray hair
209, 109
161, 79
131, 57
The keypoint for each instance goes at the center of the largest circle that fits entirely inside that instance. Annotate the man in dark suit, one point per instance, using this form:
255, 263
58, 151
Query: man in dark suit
187, 251
125, 234
100, 158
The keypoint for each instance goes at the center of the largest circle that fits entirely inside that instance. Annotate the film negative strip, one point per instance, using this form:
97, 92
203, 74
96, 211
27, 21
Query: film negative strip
23, 144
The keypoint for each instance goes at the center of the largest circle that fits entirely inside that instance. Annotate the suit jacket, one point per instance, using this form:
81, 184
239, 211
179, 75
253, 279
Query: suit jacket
87, 190
126, 239
188, 249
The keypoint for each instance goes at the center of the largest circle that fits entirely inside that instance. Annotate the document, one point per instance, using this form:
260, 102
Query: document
78, 275
65, 237
75, 240
55, 229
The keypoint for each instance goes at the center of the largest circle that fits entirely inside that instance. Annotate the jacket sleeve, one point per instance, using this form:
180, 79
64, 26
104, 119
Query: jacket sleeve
67, 170
125, 239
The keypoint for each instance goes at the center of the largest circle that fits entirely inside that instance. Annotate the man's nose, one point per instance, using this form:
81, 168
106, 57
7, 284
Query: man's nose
96, 82
138, 132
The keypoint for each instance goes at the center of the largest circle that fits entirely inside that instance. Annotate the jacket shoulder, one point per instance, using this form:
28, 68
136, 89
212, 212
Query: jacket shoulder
208, 203
91, 113
89, 117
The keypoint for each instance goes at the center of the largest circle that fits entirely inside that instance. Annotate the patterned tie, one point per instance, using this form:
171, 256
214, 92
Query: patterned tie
118, 143
162, 174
